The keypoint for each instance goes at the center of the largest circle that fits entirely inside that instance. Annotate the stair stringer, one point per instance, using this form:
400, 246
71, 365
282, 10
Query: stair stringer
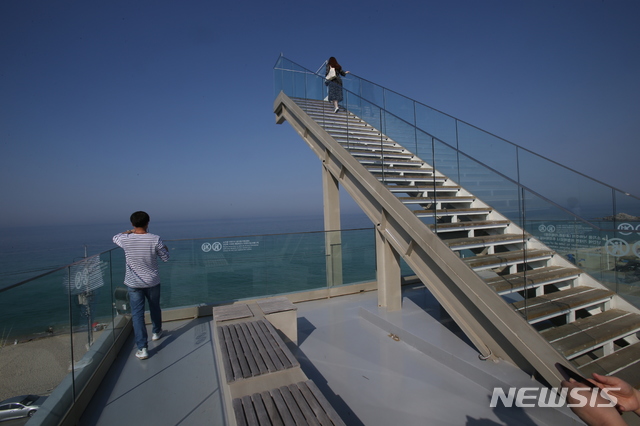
491, 324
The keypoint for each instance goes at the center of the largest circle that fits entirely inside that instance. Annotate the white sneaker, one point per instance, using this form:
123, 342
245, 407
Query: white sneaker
142, 353
156, 336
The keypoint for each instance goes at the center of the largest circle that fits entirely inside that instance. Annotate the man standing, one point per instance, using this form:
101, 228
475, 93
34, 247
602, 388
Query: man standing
141, 251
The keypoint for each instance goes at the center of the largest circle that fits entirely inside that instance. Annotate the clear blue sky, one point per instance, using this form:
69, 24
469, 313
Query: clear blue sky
166, 106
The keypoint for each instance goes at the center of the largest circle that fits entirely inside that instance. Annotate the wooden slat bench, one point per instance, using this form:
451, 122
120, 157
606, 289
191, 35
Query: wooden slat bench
261, 380
299, 403
252, 348
282, 314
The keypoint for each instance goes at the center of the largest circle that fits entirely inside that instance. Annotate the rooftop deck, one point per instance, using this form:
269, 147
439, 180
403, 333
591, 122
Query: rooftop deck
410, 367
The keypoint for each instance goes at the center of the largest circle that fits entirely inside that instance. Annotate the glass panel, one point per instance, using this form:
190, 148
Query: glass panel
278, 81
368, 112
446, 160
400, 131
370, 92
221, 269
488, 149
278, 76
299, 84
35, 352
399, 106
611, 257
577, 193
358, 256
436, 124
315, 87
627, 206
492, 188
624, 249
424, 147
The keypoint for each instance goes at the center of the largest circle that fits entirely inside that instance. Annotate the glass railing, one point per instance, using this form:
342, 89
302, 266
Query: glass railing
56, 328
591, 224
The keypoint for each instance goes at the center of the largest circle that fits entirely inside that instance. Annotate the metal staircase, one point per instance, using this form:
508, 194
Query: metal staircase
589, 325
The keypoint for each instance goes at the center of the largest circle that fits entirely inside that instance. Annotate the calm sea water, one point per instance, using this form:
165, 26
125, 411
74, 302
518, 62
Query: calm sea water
29, 252
26, 253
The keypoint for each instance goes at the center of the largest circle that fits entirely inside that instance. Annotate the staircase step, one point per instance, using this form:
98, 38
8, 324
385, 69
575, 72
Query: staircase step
551, 305
429, 200
484, 241
511, 283
391, 178
468, 226
418, 173
631, 374
514, 257
396, 166
453, 212
627, 358
428, 188
382, 151
378, 156
587, 334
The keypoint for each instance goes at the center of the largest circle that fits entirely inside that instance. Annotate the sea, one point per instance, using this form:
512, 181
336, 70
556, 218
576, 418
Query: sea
28, 252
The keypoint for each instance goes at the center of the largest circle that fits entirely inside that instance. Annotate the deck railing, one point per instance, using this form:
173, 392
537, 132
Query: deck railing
72, 316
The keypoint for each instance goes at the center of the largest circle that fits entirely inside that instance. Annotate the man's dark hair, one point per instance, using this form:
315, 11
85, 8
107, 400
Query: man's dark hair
139, 219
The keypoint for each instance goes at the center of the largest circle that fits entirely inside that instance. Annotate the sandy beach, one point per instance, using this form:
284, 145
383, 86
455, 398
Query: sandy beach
38, 366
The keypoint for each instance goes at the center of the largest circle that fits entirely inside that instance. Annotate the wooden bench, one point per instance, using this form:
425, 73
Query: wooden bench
283, 314
252, 348
258, 373
299, 403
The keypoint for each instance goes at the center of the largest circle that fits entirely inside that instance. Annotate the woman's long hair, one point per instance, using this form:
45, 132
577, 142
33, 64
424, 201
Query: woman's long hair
333, 63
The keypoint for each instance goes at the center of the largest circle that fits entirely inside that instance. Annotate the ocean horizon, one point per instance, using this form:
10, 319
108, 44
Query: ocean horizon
27, 252
31, 305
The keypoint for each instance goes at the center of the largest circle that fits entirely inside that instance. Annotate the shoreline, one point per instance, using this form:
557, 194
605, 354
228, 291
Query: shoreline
38, 365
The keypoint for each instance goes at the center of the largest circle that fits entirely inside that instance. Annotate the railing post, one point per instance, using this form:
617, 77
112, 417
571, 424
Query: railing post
333, 238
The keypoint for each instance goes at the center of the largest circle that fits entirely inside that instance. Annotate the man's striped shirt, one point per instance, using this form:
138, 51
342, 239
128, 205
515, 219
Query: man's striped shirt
141, 253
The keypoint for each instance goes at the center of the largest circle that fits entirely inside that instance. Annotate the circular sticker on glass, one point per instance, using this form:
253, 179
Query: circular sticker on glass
206, 247
625, 228
547, 228
216, 246
617, 247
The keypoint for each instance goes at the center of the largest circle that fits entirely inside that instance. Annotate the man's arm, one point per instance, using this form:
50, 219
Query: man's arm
162, 250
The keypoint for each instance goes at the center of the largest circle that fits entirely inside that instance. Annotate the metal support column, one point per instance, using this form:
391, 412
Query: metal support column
333, 237
388, 262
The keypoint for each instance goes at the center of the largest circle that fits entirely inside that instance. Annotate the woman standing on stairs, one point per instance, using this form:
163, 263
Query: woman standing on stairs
333, 80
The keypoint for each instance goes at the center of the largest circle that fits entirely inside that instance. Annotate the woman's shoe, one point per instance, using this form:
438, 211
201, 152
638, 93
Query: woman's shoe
336, 110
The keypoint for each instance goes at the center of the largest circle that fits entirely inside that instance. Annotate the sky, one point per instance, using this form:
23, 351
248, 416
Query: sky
111, 107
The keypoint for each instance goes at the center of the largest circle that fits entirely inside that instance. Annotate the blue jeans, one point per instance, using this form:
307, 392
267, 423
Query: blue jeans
136, 299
